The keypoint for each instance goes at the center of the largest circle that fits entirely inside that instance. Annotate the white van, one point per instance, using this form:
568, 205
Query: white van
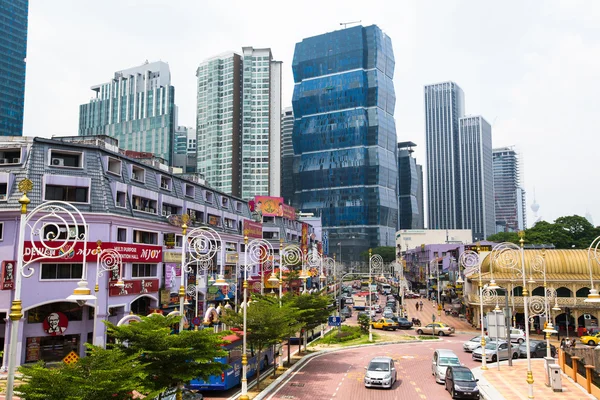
442, 359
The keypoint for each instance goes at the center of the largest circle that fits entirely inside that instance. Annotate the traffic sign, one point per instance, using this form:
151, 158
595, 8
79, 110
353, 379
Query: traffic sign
335, 321
196, 321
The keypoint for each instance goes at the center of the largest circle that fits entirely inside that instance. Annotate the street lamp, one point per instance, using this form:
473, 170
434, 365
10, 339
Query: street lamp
509, 256
375, 265
198, 247
56, 215
193, 290
258, 251
593, 254
437, 272
111, 261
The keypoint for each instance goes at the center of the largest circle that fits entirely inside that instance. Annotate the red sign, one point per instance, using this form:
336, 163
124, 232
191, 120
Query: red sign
289, 212
8, 274
33, 349
129, 252
304, 242
269, 206
252, 229
138, 286
55, 324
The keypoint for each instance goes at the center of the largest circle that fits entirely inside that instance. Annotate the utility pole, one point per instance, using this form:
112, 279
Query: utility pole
348, 23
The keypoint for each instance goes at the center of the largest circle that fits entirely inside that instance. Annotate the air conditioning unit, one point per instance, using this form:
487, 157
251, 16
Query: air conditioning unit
147, 209
164, 185
58, 162
134, 177
16, 160
3, 160
164, 213
2, 197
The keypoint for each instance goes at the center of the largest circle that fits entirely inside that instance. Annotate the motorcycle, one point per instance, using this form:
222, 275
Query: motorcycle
416, 322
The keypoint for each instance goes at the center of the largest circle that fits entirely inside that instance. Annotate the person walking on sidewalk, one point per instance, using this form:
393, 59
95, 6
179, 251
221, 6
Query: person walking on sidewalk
421, 303
417, 304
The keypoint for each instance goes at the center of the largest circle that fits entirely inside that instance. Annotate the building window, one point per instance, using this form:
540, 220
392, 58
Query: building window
37, 315
66, 159
1, 231
145, 237
230, 247
208, 196
61, 271
121, 200
138, 174
225, 202
195, 215
214, 220
229, 223
54, 232
114, 166
190, 191
3, 191
72, 194
170, 209
166, 183
143, 204
172, 240
143, 270
122, 235
10, 156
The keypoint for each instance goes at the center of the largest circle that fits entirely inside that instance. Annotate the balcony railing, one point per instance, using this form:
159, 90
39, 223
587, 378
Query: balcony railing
473, 299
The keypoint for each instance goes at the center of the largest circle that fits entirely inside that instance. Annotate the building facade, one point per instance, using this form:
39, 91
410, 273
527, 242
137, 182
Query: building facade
184, 156
13, 54
344, 138
410, 189
509, 196
287, 155
476, 177
444, 106
136, 107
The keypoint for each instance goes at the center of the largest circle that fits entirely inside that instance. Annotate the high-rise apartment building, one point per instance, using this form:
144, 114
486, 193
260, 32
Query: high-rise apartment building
509, 196
239, 122
185, 149
287, 154
476, 177
345, 165
410, 189
13, 52
444, 106
137, 107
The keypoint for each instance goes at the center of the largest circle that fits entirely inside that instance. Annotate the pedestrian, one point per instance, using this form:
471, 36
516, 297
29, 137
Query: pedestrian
417, 304
562, 344
573, 343
421, 304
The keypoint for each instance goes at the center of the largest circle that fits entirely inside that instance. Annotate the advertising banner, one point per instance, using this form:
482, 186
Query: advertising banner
8, 271
252, 229
129, 252
269, 206
304, 243
33, 351
289, 212
138, 286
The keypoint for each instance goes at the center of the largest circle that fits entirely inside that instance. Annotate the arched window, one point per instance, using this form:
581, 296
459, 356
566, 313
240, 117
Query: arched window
538, 291
583, 292
518, 291
564, 292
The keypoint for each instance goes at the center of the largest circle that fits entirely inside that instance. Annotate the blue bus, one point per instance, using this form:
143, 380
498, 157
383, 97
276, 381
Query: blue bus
232, 376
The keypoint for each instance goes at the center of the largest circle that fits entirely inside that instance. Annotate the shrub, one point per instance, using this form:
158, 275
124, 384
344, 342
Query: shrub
363, 321
347, 333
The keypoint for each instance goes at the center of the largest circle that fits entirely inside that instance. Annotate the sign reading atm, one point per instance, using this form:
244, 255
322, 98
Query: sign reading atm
69, 253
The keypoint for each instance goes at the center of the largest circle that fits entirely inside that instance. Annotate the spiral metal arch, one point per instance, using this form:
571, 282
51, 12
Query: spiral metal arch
507, 255
593, 255
202, 245
291, 255
537, 307
469, 259
57, 215
110, 260
330, 266
313, 259
537, 264
489, 296
258, 251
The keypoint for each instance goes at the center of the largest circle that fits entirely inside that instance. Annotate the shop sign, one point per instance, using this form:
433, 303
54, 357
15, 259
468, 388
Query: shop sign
252, 229
171, 272
74, 252
171, 256
269, 206
138, 286
231, 258
165, 297
33, 351
55, 323
8, 270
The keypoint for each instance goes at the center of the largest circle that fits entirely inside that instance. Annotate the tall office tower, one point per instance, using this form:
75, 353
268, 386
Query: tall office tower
219, 124
410, 176
476, 177
287, 155
261, 124
136, 107
509, 196
184, 156
13, 51
444, 105
345, 165
420, 198
239, 123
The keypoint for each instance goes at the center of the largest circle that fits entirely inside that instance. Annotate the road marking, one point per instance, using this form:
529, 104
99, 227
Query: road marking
413, 383
417, 390
422, 396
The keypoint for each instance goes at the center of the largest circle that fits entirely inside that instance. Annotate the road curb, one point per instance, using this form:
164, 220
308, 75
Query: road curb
267, 390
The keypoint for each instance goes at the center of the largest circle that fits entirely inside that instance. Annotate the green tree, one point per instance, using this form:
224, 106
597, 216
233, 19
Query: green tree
266, 323
501, 237
581, 232
103, 374
312, 310
388, 253
169, 360
364, 322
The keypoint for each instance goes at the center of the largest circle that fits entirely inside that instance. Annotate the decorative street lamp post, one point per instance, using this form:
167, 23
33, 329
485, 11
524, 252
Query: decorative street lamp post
593, 255
110, 261
375, 265
57, 216
193, 290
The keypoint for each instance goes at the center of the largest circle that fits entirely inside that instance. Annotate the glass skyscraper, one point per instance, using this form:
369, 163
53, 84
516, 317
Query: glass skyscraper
136, 107
344, 138
410, 189
13, 51
509, 196
287, 155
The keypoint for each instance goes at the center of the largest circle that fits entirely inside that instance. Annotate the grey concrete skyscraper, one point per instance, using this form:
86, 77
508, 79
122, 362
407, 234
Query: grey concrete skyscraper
444, 106
509, 196
476, 186
410, 189
287, 154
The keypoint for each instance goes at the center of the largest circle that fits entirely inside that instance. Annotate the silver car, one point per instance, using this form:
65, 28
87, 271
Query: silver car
442, 359
381, 372
474, 343
492, 355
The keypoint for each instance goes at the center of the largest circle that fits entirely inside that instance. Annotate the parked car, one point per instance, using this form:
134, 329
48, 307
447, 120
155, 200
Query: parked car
377, 308
381, 372
474, 343
461, 383
388, 314
411, 295
371, 311
436, 328
517, 335
592, 340
442, 359
403, 323
346, 312
387, 309
385, 324
537, 349
492, 355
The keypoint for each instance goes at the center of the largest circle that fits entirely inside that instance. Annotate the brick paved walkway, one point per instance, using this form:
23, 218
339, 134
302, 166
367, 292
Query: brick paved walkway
460, 325
510, 383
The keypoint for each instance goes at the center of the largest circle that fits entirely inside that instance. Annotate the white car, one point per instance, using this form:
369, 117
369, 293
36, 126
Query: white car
371, 311
442, 359
474, 343
517, 335
381, 372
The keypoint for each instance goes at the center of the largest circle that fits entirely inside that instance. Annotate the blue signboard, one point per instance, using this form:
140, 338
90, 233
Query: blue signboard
335, 321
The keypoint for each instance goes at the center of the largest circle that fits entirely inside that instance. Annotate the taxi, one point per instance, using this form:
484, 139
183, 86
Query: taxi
592, 340
385, 324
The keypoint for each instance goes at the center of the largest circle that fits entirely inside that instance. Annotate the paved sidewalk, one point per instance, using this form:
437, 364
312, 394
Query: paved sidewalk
510, 383
460, 325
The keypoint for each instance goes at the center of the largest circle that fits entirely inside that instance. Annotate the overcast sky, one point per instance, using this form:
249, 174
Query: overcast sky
531, 68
